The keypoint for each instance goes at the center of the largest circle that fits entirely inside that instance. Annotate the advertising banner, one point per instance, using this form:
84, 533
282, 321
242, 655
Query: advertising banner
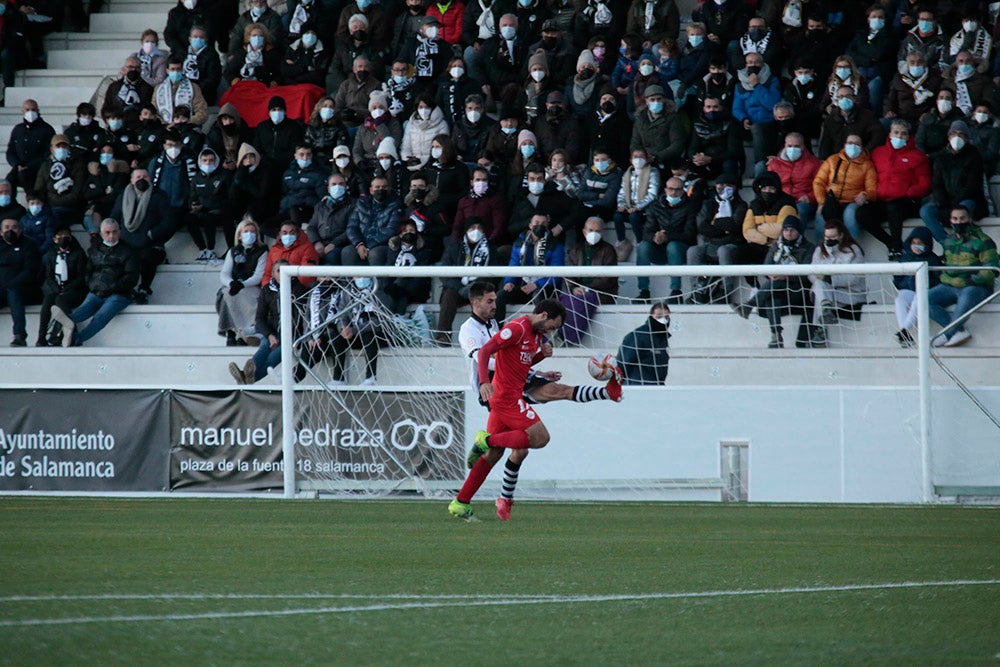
75, 440
231, 440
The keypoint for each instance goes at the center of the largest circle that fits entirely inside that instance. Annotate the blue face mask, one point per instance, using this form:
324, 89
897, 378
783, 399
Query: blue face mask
804, 79
326, 113
106, 158
288, 239
656, 107
852, 150
527, 150
197, 43
966, 69
602, 166
508, 130
34, 209
845, 103
303, 163
844, 73
399, 79
897, 142
175, 77
364, 4
256, 41
793, 153
362, 283
673, 201
248, 238
309, 39
115, 125
4, 200
207, 169
508, 32
915, 70
696, 40
61, 154
337, 191
876, 24
925, 26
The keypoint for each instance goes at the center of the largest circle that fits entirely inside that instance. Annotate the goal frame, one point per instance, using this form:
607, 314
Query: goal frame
918, 269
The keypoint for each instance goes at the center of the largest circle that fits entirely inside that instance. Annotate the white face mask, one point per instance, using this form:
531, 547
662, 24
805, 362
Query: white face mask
957, 143
969, 26
473, 115
536, 187
424, 113
431, 32
85, 121
342, 161
593, 238
190, 4
662, 320
538, 74
457, 72
31, 116
436, 152
173, 152
945, 106
326, 113
385, 162
638, 162
981, 117
474, 236
378, 112
480, 187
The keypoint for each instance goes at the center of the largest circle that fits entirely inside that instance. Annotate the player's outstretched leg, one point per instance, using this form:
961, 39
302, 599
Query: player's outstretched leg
461, 506
479, 447
460, 510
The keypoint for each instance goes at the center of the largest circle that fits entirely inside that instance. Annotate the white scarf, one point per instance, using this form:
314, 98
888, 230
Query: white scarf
191, 69
62, 268
166, 99
749, 46
253, 60
962, 98
300, 16
146, 63
128, 94
486, 21
425, 49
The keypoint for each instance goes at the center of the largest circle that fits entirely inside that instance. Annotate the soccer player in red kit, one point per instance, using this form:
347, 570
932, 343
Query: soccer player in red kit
513, 424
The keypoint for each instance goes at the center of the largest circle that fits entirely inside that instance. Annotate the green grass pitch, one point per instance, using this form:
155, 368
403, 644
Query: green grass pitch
255, 582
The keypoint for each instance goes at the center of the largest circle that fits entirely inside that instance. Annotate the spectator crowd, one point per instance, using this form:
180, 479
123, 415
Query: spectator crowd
506, 132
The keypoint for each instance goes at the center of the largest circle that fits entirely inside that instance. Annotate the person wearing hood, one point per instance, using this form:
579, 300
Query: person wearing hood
277, 137
765, 217
178, 90
377, 125
426, 123
904, 179
374, 219
152, 61
428, 53
918, 247
848, 116
327, 229
112, 272
788, 295
583, 295
302, 186
753, 103
472, 249
60, 182
209, 206
644, 356
241, 274
422, 205
471, 128
252, 191
957, 174
307, 58
65, 286
227, 135
407, 248
967, 245
534, 247
354, 93
28, 147
19, 271
935, 126
846, 182
146, 225
670, 229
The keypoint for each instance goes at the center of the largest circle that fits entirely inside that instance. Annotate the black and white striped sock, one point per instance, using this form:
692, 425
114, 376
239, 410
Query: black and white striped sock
510, 471
590, 393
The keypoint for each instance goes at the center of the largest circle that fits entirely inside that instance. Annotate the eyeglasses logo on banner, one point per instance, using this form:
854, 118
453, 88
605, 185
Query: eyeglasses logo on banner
407, 434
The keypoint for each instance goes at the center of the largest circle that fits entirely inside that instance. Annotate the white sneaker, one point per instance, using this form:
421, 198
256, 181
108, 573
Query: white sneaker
214, 260
939, 341
205, 255
369, 382
960, 337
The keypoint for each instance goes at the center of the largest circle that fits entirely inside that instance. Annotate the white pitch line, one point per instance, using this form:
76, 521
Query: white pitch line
480, 601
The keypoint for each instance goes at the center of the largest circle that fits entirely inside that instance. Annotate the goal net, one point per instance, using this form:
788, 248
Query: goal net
378, 400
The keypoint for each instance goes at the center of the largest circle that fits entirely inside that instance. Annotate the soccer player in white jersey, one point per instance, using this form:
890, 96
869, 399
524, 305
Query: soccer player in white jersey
541, 387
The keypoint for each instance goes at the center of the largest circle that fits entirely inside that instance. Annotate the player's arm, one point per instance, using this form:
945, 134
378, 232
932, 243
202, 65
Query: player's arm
508, 336
544, 352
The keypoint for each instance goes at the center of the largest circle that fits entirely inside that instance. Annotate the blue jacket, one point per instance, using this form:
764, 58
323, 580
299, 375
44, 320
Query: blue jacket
372, 222
40, 228
303, 187
909, 281
625, 71
757, 103
643, 356
555, 255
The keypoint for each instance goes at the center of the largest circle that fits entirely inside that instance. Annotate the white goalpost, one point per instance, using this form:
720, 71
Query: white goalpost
860, 395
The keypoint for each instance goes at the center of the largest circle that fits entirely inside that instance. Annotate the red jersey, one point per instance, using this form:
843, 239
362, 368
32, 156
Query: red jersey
516, 345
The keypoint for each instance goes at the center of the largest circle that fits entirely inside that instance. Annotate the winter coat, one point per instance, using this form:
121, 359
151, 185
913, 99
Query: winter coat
367, 139
565, 132
52, 172
303, 187
209, 190
846, 178
207, 73
491, 208
251, 191
797, 177
665, 23
418, 136
28, 145
599, 190
720, 231
850, 288
112, 270
763, 222
174, 178
975, 248
329, 221
451, 94
836, 128
267, 71
756, 103
555, 255
373, 223
600, 254
643, 356
300, 253
932, 133
909, 281
324, 137
932, 46
610, 133
450, 183
662, 137
277, 143
902, 173
909, 99
154, 230
75, 286
878, 50
243, 264
470, 139
268, 317
304, 64
85, 141
958, 177
198, 106
226, 145
720, 140
979, 86
352, 97
19, 264
679, 222
40, 229
501, 69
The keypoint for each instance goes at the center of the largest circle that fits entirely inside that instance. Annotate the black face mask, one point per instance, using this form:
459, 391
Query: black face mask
539, 231
10, 236
65, 242
409, 238
554, 112
362, 75
753, 69
141, 186
419, 194
831, 243
548, 43
379, 195
769, 197
360, 35
713, 115
586, 74
416, 11
757, 34
608, 107
230, 129
717, 78
959, 230
132, 75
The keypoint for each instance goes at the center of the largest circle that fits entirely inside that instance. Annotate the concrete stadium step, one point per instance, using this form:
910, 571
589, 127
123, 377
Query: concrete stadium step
47, 97
208, 367
108, 61
138, 6
63, 78
102, 41
119, 22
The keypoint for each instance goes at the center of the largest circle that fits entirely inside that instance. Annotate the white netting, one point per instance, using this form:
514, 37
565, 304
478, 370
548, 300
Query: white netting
410, 429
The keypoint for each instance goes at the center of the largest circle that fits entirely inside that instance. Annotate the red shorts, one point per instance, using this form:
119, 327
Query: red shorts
512, 418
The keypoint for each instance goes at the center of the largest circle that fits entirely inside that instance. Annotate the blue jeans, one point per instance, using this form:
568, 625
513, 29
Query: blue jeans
14, 297
673, 253
941, 296
100, 311
930, 213
875, 87
265, 358
850, 221
807, 214
635, 221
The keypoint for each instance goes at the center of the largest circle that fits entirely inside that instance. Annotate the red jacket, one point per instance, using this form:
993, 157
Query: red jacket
299, 253
797, 177
491, 208
451, 21
902, 173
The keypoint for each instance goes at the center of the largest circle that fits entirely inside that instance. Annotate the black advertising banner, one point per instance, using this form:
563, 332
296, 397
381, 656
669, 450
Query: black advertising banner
83, 440
348, 440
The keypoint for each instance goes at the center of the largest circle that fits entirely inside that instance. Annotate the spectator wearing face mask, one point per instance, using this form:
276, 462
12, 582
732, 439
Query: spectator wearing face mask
599, 186
797, 167
85, 136
957, 174
257, 12
378, 23
253, 191
39, 224
639, 188
541, 197
227, 134
505, 53
926, 37
9, 208
307, 59
64, 287
259, 59
209, 206
327, 229
292, 247
201, 63
152, 61
178, 90
913, 90
585, 90
422, 206
180, 19
277, 137
372, 223
147, 223
106, 177
346, 53
969, 77
534, 247
559, 129
720, 238
20, 262
126, 95
918, 247
845, 183
644, 356
932, 133
608, 127
484, 205
60, 182
357, 180
377, 125
241, 273
426, 123
27, 148
428, 53
172, 172
846, 117
471, 128
658, 130
582, 296
407, 248
302, 186
473, 249
670, 229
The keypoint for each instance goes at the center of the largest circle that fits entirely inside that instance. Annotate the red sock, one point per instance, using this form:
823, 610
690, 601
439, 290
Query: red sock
510, 440
480, 471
